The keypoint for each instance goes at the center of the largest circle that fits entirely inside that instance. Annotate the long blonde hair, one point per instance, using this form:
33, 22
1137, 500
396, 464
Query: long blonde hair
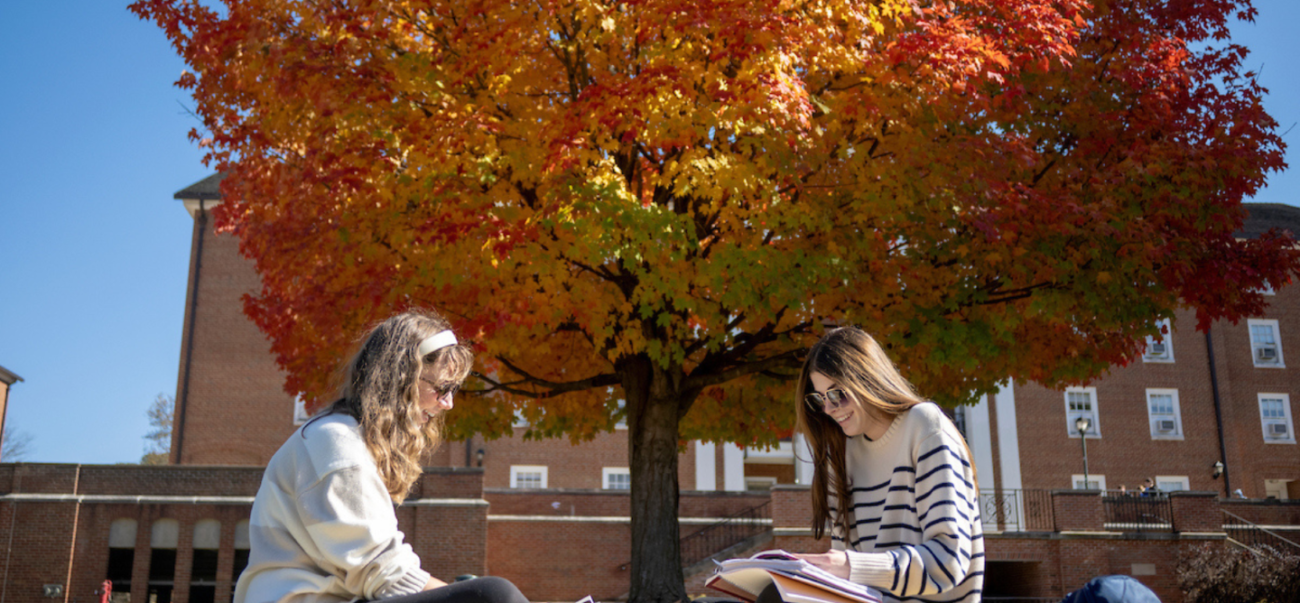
381, 391
855, 362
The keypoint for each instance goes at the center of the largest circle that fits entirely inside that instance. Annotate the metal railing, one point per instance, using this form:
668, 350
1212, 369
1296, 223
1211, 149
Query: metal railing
1137, 513
1245, 533
714, 538
1015, 510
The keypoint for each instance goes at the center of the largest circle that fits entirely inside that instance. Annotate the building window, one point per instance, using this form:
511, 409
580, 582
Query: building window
616, 478
527, 476
1277, 488
1265, 345
203, 567
1275, 418
1081, 402
1171, 483
1163, 414
1095, 482
241, 550
162, 559
1160, 349
121, 557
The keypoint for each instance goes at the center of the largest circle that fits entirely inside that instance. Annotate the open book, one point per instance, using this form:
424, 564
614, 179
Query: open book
796, 579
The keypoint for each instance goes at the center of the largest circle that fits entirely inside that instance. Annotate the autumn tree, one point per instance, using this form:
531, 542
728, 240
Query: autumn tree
664, 201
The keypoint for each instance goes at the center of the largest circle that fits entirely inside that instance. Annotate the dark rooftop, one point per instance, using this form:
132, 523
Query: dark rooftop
8, 377
1261, 217
204, 190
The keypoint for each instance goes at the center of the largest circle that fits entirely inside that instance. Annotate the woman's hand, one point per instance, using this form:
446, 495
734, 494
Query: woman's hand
433, 583
834, 562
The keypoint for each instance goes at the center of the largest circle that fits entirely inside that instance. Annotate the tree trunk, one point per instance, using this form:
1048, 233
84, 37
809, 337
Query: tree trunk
653, 404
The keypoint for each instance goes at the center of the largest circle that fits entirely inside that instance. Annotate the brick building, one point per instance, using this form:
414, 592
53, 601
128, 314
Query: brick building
1193, 400
554, 517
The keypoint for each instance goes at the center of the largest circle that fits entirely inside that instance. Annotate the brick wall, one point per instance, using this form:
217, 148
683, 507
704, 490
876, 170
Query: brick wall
235, 410
1265, 512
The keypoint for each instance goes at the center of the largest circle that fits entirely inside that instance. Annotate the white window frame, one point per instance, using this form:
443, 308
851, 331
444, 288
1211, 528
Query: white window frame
516, 470
1167, 338
1184, 483
1267, 289
1276, 488
1095, 432
1177, 433
1077, 479
1264, 422
1251, 323
606, 472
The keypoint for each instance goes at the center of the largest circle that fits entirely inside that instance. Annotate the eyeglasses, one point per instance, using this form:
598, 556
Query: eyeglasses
444, 391
832, 399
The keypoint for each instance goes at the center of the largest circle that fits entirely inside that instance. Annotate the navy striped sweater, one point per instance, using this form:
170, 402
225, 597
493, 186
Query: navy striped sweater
915, 520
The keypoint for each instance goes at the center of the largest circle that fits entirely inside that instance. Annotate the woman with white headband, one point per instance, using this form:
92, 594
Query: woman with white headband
323, 527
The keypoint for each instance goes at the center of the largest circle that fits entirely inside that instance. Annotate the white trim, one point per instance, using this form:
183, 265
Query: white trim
766, 481
1077, 479
781, 454
706, 466
1095, 414
1255, 348
515, 470
1285, 419
1008, 437
1166, 339
300, 414
803, 466
192, 205
733, 468
979, 436
1157, 434
1182, 480
606, 472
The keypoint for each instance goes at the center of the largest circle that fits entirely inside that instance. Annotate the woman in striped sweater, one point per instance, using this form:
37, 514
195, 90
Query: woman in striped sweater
893, 478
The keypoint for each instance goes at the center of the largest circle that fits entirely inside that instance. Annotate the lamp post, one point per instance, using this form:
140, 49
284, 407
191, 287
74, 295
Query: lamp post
1082, 424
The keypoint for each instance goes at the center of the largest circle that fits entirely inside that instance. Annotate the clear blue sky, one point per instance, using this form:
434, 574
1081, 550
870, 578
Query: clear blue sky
94, 252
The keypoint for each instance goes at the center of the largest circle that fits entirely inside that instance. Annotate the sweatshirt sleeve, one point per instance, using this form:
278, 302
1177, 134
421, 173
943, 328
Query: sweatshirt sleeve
349, 516
945, 516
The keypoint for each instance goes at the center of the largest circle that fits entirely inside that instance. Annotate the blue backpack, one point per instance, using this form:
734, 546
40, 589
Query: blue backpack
1112, 589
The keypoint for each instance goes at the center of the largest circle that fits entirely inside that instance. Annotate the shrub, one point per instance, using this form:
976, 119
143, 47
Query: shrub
1224, 574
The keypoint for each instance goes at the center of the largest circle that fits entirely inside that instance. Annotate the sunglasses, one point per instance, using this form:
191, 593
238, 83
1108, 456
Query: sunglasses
832, 399
444, 391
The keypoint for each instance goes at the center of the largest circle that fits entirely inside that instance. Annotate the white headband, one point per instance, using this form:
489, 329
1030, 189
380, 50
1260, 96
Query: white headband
436, 342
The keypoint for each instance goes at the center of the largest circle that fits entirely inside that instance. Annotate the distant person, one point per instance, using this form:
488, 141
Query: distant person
892, 478
1149, 487
323, 528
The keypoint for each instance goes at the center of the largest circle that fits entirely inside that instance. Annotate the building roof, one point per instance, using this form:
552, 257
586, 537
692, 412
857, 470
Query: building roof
204, 190
1262, 217
8, 377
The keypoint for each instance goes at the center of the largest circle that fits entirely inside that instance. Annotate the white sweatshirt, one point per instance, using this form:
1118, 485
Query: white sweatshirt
916, 531
323, 528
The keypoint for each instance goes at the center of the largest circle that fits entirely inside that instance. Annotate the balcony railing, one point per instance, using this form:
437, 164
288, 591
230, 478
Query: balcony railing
1135, 513
1015, 510
711, 540
1242, 532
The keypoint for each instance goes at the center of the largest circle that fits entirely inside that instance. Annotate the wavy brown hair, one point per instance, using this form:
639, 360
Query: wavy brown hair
855, 362
381, 391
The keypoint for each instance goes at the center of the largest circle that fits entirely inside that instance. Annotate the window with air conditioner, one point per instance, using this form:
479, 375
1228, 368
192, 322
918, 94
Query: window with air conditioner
1265, 343
1164, 414
1082, 402
1161, 348
1275, 418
